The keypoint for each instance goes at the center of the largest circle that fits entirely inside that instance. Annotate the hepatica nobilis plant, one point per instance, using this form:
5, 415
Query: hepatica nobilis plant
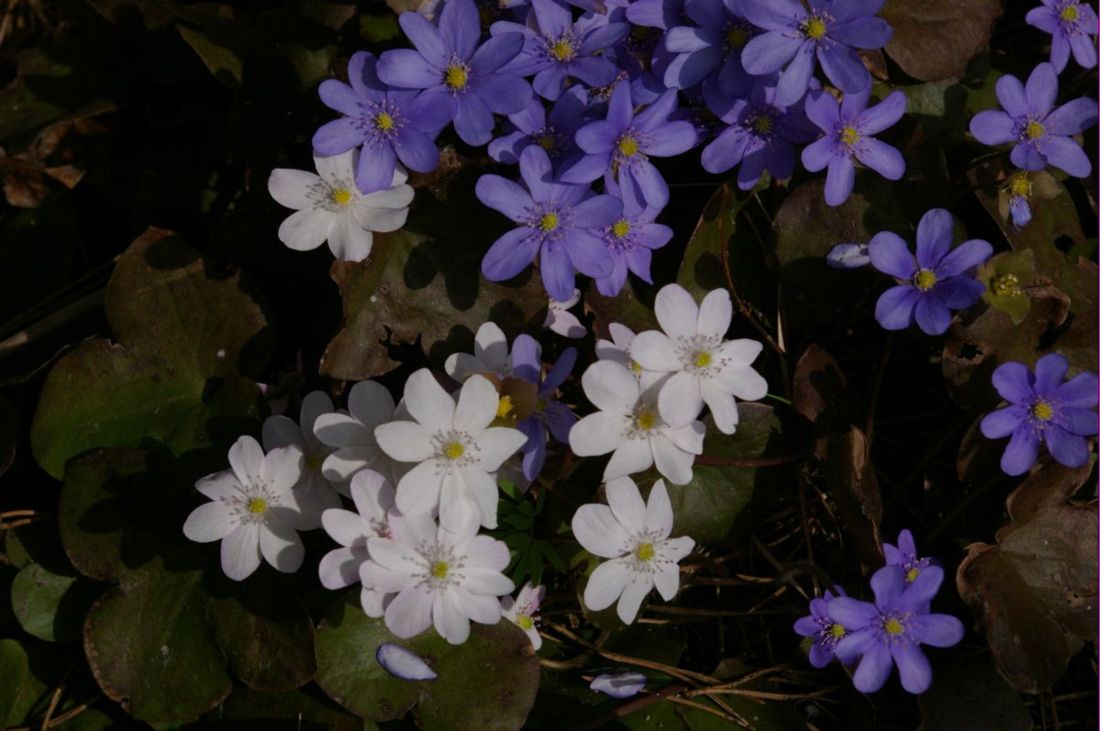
660, 319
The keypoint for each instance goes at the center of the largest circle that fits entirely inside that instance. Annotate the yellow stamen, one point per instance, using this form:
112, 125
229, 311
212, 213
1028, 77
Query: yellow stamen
257, 506
912, 574
1021, 186
546, 142
454, 450
645, 420
525, 622
763, 124
1042, 411
621, 228
837, 631
1069, 14
628, 146
383, 122
1034, 130
925, 280
562, 50
635, 366
703, 359
736, 37
849, 136
893, 627
504, 406
340, 196
439, 569
548, 222
1007, 285
456, 77
814, 28
645, 552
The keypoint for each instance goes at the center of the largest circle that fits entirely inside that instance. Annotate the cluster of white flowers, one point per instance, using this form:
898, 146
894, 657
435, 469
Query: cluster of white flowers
650, 388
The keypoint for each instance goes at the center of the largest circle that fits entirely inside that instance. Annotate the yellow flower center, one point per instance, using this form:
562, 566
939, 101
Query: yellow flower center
456, 76
703, 359
1034, 130
925, 280
645, 552
646, 419
1069, 14
621, 228
763, 124
505, 406
837, 631
849, 136
548, 222
1042, 411
525, 622
628, 146
453, 451
893, 626
635, 366
340, 196
383, 122
439, 569
814, 28
563, 49
1021, 186
546, 142
257, 506
736, 37
912, 574
1007, 285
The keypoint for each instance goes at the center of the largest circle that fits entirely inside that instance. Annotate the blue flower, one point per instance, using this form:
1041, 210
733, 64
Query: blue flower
631, 241
825, 630
386, 124
710, 51
553, 131
891, 630
558, 222
849, 127
932, 284
550, 414
848, 256
1070, 24
458, 76
904, 554
1042, 136
1043, 408
1019, 199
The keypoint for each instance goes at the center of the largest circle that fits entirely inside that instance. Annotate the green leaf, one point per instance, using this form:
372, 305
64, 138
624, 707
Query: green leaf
489, 682
307, 710
13, 671
51, 606
935, 39
222, 61
970, 694
184, 333
1006, 277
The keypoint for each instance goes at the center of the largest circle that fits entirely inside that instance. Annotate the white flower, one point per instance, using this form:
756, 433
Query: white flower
329, 206
254, 510
618, 349
521, 611
490, 356
441, 577
704, 366
634, 535
281, 431
373, 497
560, 320
629, 426
455, 449
351, 435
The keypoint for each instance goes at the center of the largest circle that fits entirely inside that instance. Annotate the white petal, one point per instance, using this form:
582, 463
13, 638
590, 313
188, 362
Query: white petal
370, 403
598, 433
395, 556
374, 603
418, 490
715, 313
742, 351
449, 620
481, 489
240, 552
246, 457
688, 438
337, 170
531, 596
610, 386
656, 352
621, 335
497, 444
667, 581
488, 553
626, 504
599, 532
410, 612
491, 347
282, 468
477, 405
674, 549
461, 365
348, 240
281, 547
631, 600
567, 325
210, 522
486, 581
606, 584
306, 230
373, 495
343, 464
456, 506
340, 567
298, 509
680, 400
345, 527
341, 430
533, 634
744, 382
633, 455
723, 407
672, 462
281, 431
412, 529
314, 404
405, 441
676, 311
381, 579
483, 608
427, 402
402, 663
658, 511
220, 485
290, 188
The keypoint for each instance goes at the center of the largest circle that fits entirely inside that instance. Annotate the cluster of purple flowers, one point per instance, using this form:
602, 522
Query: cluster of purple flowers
889, 631
599, 94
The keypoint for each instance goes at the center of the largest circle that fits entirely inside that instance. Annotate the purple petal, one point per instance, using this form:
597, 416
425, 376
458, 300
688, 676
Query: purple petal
906, 544
1067, 449
594, 70
913, 667
1083, 49
1050, 371
503, 93
726, 150
865, 32
588, 254
407, 69
932, 314
597, 137
402, 663
1002, 422
534, 450
1071, 118
937, 630
1011, 95
558, 372
505, 196
894, 309
510, 254
621, 685
1021, 452
1060, 47
653, 187
855, 644
795, 79
431, 111
820, 655
375, 169
993, 127
586, 168
1041, 89
772, 14
817, 155
527, 358
823, 110
883, 115
839, 181
1065, 154
495, 52
850, 9
843, 67
673, 138
688, 69
1079, 391
1026, 156
888, 583
553, 18
890, 255
416, 151
473, 121
771, 51
460, 27
958, 293
687, 39
557, 271
337, 136
537, 174
599, 211
853, 614
964, 258
425, 37
934, 234
339, 96
1014, 383
549, 82
873, 670
920, 591
882, 158
620, 112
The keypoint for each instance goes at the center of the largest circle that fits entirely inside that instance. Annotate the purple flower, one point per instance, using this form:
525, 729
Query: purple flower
904, 554
553, 132
891, 630
464, 80
550, 415
619, 147
1019, 199
558, 221
386, 124
1070, 24
554, 49
711, 51
663, 14
1041, 408
848, 127
831, 31
630, 240
935, 282
761, 136
826, 631
1042, 136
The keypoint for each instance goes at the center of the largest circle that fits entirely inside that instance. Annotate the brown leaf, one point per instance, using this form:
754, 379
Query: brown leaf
851, 478
935, 39
817, 384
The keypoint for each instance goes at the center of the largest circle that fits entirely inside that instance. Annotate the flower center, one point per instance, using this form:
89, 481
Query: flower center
645, 552
736, 37
645, 419
634, 366
1021, 186
703, 359
548, 222
1007, 285
836, 631
546, 141
764, 124
814, 28
563, 49
456, 76
925, 280
912, 574
628, 146
439, 570
849, 135
1042, 411
1034, 130
453, 451
525, 622
384, 122
257, 506
314, 461
1069, 14
621, 228
893, 626
504, 406
340, 196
